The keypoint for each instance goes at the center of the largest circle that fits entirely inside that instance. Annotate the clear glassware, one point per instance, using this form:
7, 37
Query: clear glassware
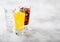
9, 19
27, 17
10, 9
27, 9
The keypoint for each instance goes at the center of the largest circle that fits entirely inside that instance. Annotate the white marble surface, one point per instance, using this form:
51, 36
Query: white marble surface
44, 21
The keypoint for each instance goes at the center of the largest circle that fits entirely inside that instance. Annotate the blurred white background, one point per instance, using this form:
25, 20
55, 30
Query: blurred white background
44, 18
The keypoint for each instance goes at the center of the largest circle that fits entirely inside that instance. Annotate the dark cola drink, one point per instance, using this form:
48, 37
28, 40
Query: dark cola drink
27, 14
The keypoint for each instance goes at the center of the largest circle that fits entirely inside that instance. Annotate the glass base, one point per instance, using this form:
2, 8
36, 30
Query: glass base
27, 27
27, 31
19, 33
